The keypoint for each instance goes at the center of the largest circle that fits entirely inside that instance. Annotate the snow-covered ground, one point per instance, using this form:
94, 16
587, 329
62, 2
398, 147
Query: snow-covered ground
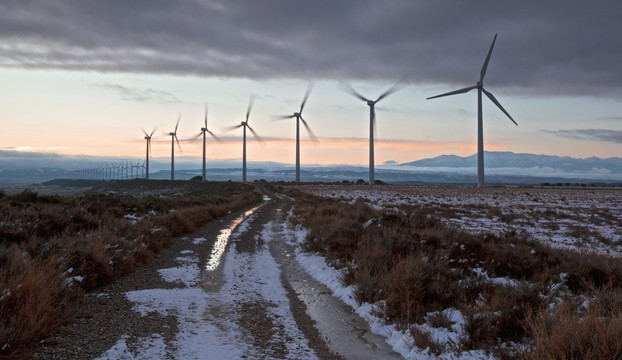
208, 322
574, 218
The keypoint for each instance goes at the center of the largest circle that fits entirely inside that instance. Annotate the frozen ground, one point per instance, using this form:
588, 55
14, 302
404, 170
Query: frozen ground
575, 218
209, 322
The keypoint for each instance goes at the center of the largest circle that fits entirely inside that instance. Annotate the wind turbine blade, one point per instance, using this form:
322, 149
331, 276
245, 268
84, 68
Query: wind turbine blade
373, 114
230, 128
143, 129
197, 136
282, 117
311, 134
154, 130
255, 134
483, 72
178, 145
454, 92
206, 115
393, 89
304, 100
176, 125
251, 101
214, 136
494, 100
351, 91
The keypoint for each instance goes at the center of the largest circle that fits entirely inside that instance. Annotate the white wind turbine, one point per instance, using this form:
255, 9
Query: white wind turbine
244, 124
173, 139
480, 131
298, 117
203, 132
148, 151
372, 120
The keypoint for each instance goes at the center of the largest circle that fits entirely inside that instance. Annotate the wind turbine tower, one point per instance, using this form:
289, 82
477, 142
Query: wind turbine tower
204, 131
298, 117
173, 139
148, 151
480, 126
244, 125
372, 120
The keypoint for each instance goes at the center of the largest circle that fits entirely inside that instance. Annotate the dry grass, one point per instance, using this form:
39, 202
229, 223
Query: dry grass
411, 264
565, 333
54, 248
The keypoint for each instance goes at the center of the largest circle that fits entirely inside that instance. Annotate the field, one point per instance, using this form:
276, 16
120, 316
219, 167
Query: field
54, 248
442, 272
466, 272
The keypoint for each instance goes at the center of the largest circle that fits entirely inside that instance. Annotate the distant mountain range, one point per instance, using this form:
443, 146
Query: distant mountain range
501, 168
510, 160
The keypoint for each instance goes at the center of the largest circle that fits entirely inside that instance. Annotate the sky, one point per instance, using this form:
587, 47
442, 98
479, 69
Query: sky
83, 77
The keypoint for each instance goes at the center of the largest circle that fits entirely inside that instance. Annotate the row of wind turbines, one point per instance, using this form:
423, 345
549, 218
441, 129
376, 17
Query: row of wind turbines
122, 171
479, 85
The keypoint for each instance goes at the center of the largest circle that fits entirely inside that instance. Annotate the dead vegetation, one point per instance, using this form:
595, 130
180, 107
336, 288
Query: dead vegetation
53, 248
519, 298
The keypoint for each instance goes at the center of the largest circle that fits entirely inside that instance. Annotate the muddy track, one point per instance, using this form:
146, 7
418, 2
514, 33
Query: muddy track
232, 289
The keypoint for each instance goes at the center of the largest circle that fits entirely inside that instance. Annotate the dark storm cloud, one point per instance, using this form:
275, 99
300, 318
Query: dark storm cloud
606, 135
559, 47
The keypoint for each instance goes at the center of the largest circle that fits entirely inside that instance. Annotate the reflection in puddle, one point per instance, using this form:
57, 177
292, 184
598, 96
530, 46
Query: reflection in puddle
221, 241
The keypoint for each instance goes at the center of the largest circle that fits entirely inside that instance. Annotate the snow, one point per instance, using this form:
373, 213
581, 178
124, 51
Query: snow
578, 219
153, 348
187, 273
199, 240
221, 336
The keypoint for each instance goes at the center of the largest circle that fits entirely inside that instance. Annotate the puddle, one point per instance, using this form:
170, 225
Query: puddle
223, 238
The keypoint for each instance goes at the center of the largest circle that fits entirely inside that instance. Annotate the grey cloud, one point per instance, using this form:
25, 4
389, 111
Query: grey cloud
559, 48
142, 95
607, 135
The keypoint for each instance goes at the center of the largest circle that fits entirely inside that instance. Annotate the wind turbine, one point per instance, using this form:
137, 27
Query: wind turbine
372, 120
203, 132
244, 124
480, 131
148, 138
173, 139
298, 117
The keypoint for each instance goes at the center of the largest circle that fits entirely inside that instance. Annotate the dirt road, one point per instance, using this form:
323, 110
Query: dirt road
231, 290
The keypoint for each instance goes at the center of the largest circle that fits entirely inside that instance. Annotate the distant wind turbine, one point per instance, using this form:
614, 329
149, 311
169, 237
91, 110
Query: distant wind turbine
480, 131
298, 117
148, 151
203, 132
244, 124
372, 119
173, 139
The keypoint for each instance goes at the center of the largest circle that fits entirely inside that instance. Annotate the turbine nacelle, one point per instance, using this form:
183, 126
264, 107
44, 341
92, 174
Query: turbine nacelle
297, 114
371, 103
480, 84
172, 134
203, 129
243, 123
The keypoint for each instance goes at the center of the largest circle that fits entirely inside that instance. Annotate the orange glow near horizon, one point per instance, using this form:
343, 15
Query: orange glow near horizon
354, 151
